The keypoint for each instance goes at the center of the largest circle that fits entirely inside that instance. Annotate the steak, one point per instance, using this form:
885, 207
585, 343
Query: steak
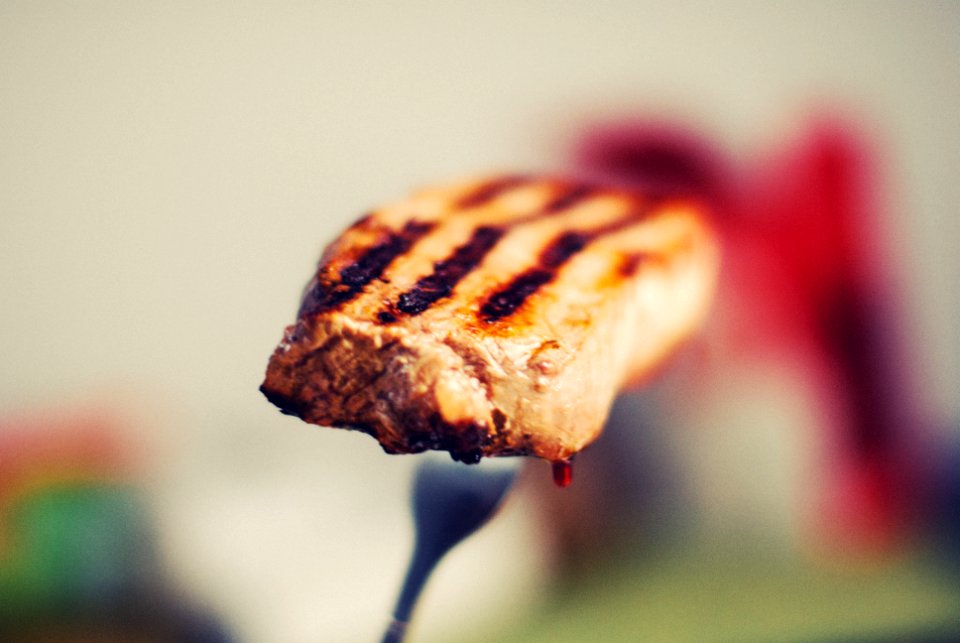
494, 317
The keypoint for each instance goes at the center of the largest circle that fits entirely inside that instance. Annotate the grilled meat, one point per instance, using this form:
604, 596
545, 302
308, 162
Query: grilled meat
495, 317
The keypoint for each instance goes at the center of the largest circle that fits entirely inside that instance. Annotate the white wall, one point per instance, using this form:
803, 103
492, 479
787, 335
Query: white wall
170, 171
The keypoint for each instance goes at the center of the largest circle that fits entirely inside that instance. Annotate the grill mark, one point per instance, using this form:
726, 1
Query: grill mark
507, 299
562, 248
326, 294
446, 275
489, 191
630, 264
363, 221
569, 198
625, 266
449, 272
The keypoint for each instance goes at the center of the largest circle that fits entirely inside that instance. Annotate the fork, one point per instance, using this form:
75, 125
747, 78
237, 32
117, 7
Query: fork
449, 501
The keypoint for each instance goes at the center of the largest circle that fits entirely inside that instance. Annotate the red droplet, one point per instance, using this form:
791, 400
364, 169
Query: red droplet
562, 473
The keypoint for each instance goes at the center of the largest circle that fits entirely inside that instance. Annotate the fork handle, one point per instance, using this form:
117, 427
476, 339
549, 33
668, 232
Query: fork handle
421, 566
396, 632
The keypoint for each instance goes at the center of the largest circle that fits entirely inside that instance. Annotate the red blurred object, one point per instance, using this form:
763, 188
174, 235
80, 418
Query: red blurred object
816, 208
44, 450
805, 275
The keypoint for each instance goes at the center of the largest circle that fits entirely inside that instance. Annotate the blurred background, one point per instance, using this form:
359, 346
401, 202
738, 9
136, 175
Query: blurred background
169, 174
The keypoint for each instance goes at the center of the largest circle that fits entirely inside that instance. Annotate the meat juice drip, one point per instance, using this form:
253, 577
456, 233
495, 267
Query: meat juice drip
562, 473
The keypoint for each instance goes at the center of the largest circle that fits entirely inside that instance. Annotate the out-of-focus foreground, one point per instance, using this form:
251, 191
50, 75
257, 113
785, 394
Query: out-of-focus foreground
170, 174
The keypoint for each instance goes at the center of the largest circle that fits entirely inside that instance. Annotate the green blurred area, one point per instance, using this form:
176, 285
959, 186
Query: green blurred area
71, 548
732, 592
80, 565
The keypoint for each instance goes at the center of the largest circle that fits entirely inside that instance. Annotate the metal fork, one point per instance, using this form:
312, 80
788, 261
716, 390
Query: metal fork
450, 501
